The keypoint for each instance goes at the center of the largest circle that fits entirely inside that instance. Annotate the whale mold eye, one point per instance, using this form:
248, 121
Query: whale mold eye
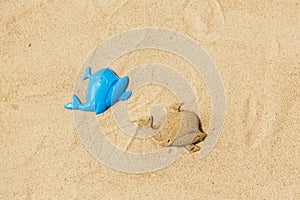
103, 80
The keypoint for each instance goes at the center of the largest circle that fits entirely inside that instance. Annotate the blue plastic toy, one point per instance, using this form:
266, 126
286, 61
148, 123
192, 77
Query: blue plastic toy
104, 89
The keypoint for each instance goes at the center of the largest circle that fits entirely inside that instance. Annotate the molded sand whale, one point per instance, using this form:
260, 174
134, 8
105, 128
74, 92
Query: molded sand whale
104, 89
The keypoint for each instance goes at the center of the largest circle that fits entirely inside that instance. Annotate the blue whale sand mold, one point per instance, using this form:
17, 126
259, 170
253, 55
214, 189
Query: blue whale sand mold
104, 89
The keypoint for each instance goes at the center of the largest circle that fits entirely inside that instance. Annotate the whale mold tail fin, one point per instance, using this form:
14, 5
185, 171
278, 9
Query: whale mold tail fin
74, 104
87, 73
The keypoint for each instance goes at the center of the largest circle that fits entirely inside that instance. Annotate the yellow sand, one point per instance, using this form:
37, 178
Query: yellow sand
254, 44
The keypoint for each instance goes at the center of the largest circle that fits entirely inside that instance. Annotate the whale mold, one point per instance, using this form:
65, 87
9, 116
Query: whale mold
104, 89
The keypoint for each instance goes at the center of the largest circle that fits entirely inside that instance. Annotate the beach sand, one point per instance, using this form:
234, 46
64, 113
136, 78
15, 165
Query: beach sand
255, 46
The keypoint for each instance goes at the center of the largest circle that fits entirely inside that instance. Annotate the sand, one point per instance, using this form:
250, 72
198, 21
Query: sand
255, 46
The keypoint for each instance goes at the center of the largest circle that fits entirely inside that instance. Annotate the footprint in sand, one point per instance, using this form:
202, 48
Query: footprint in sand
203, 20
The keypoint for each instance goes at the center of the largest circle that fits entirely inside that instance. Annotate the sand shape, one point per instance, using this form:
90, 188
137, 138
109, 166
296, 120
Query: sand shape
182, 129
